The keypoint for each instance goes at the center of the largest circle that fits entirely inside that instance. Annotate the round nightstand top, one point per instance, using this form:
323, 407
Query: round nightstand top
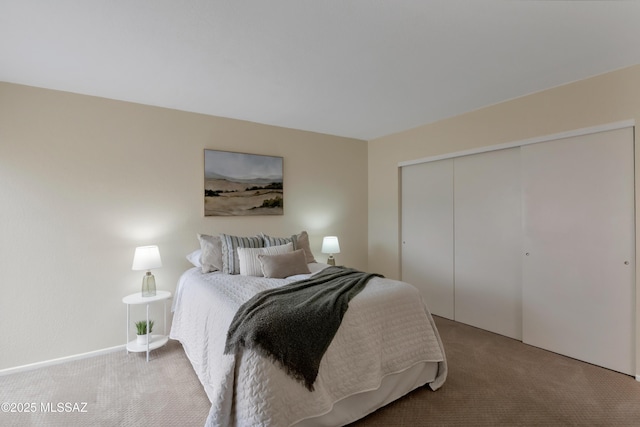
137, 298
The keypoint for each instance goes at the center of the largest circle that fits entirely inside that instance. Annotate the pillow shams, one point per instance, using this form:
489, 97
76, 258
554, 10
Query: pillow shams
300, 241
284, 265
230, 245
211, 253
248, 258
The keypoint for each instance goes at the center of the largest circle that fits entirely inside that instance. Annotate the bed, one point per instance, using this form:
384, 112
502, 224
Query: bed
386, 346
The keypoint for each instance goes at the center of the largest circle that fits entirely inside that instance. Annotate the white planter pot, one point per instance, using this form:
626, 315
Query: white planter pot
142, 339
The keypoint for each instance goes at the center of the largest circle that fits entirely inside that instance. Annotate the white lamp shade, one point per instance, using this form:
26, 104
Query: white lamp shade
330, 245
146, 258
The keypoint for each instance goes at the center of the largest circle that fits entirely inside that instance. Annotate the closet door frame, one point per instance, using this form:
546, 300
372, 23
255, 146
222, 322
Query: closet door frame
545, 138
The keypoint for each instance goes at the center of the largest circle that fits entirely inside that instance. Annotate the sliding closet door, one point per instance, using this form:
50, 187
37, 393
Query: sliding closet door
578, 254
488, 241
427, 232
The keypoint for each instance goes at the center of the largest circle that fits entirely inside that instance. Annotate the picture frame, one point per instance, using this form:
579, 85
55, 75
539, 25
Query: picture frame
241, 184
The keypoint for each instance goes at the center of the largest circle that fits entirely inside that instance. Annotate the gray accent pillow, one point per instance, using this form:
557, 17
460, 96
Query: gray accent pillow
284, 265
211, 255
230, 245
300, 241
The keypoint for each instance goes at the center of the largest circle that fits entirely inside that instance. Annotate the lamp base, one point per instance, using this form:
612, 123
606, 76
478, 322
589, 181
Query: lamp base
148, 285
331, 260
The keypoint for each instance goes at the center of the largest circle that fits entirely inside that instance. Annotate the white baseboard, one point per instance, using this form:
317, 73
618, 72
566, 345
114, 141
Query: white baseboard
60, 360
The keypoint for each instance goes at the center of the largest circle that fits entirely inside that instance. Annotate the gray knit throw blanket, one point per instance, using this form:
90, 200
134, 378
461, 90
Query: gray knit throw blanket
293, 325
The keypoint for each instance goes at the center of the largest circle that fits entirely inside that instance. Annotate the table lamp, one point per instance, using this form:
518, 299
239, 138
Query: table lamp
330, 246
146, 258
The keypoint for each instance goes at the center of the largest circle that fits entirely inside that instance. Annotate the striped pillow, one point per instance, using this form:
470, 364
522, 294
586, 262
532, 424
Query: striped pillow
250, 264
230, 245
277, 241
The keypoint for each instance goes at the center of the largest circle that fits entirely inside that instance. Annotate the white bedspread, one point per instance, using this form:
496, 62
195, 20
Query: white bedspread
386, 330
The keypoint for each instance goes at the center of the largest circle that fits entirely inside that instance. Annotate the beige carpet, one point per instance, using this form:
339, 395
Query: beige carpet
119, 390
492, 381
498, 381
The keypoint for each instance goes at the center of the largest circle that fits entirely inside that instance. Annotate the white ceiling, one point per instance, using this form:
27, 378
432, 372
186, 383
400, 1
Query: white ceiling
356, 68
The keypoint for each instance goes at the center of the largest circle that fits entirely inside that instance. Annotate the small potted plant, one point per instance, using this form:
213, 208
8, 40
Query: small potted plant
143, 335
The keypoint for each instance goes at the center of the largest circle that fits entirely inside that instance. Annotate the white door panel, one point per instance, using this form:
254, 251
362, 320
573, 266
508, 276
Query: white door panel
427, 233
488, 241
578, 254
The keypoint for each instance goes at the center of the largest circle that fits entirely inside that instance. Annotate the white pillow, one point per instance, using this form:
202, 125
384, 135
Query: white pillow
248, 257
194, 258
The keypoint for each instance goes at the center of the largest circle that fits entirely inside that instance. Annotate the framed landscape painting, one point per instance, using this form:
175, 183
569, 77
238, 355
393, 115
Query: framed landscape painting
242, 184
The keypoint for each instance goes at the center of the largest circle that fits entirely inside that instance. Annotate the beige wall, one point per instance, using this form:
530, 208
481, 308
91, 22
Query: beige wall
84, 180
603, 99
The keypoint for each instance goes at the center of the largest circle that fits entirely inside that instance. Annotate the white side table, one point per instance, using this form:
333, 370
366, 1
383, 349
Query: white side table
156, 341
